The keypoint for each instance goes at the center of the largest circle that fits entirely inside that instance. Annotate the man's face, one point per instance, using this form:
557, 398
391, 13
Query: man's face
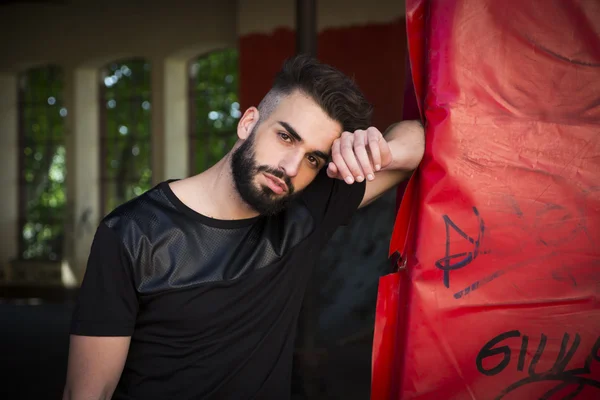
283, 153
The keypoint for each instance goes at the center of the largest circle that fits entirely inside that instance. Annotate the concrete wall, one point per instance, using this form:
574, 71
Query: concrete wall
92, 33
9, 212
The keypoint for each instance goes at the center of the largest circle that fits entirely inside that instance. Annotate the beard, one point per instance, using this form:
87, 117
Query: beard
245, 169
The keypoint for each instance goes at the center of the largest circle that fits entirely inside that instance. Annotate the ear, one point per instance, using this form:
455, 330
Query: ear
247, 122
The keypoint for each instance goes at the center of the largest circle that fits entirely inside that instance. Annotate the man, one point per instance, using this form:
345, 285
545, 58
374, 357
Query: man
193, 290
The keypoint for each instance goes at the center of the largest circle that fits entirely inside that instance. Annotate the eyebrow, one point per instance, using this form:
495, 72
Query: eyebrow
324, 156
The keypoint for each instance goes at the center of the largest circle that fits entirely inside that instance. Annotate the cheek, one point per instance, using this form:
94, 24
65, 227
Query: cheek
265, 159
304, 178
267, 154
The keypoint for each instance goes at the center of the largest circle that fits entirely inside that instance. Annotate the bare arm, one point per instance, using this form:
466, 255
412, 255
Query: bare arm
95, 366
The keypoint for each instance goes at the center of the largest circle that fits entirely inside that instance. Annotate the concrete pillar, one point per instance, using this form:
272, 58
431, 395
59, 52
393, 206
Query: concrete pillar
176, 118
9, 182
157, 125
85, 167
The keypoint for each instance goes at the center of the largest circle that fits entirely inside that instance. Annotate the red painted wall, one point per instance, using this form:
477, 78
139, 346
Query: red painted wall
374, 54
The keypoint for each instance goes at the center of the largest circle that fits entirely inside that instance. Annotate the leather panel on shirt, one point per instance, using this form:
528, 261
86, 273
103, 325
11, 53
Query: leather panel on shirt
170, 250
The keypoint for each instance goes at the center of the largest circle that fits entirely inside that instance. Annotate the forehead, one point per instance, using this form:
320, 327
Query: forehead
309, 120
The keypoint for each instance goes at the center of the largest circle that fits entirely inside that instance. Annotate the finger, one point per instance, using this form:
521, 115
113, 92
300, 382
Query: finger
373, 139
338, 159
347, 150
360, 151
332, 170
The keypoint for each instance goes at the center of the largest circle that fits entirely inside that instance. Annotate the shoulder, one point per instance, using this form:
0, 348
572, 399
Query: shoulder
141, 224
141, 213
139, 227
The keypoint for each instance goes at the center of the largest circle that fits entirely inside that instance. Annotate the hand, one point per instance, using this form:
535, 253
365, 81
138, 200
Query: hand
358, 155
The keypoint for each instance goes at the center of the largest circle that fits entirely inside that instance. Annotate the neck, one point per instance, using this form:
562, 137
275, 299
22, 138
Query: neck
216, 194
213, 193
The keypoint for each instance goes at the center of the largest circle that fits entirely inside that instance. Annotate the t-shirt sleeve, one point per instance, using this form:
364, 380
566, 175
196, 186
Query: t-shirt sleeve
333, 201
107, 304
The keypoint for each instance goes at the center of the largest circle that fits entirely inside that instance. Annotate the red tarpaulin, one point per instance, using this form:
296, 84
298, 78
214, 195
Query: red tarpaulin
497, 291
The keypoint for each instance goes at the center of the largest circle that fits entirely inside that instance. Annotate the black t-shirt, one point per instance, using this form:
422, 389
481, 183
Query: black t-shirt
211, 305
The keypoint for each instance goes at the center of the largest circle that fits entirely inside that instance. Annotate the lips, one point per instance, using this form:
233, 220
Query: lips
275, 184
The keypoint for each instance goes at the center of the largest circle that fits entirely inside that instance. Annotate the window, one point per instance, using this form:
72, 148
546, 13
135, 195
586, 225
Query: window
214, 107
125, 134
42, 168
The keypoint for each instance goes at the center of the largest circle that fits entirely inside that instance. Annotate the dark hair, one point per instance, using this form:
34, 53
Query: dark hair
336, 93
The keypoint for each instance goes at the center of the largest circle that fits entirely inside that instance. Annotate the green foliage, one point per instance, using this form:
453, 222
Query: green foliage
43, 174
216, 111
126, 136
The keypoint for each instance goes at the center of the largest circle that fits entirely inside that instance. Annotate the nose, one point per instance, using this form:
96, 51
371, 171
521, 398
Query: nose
291, 163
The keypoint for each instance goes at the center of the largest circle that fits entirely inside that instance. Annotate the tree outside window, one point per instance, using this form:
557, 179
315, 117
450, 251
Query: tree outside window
214, 107
125, 132
42, 167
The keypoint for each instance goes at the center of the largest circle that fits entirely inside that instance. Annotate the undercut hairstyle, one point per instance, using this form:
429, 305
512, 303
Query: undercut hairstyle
333, 91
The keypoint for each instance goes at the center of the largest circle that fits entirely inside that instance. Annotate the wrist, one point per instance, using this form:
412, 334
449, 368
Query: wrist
407, 145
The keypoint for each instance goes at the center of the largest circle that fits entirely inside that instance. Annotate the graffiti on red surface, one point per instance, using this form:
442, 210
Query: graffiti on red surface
452, 262
578, 377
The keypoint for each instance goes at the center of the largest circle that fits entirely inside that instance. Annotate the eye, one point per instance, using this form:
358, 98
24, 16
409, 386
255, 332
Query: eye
285, 137
313, 160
